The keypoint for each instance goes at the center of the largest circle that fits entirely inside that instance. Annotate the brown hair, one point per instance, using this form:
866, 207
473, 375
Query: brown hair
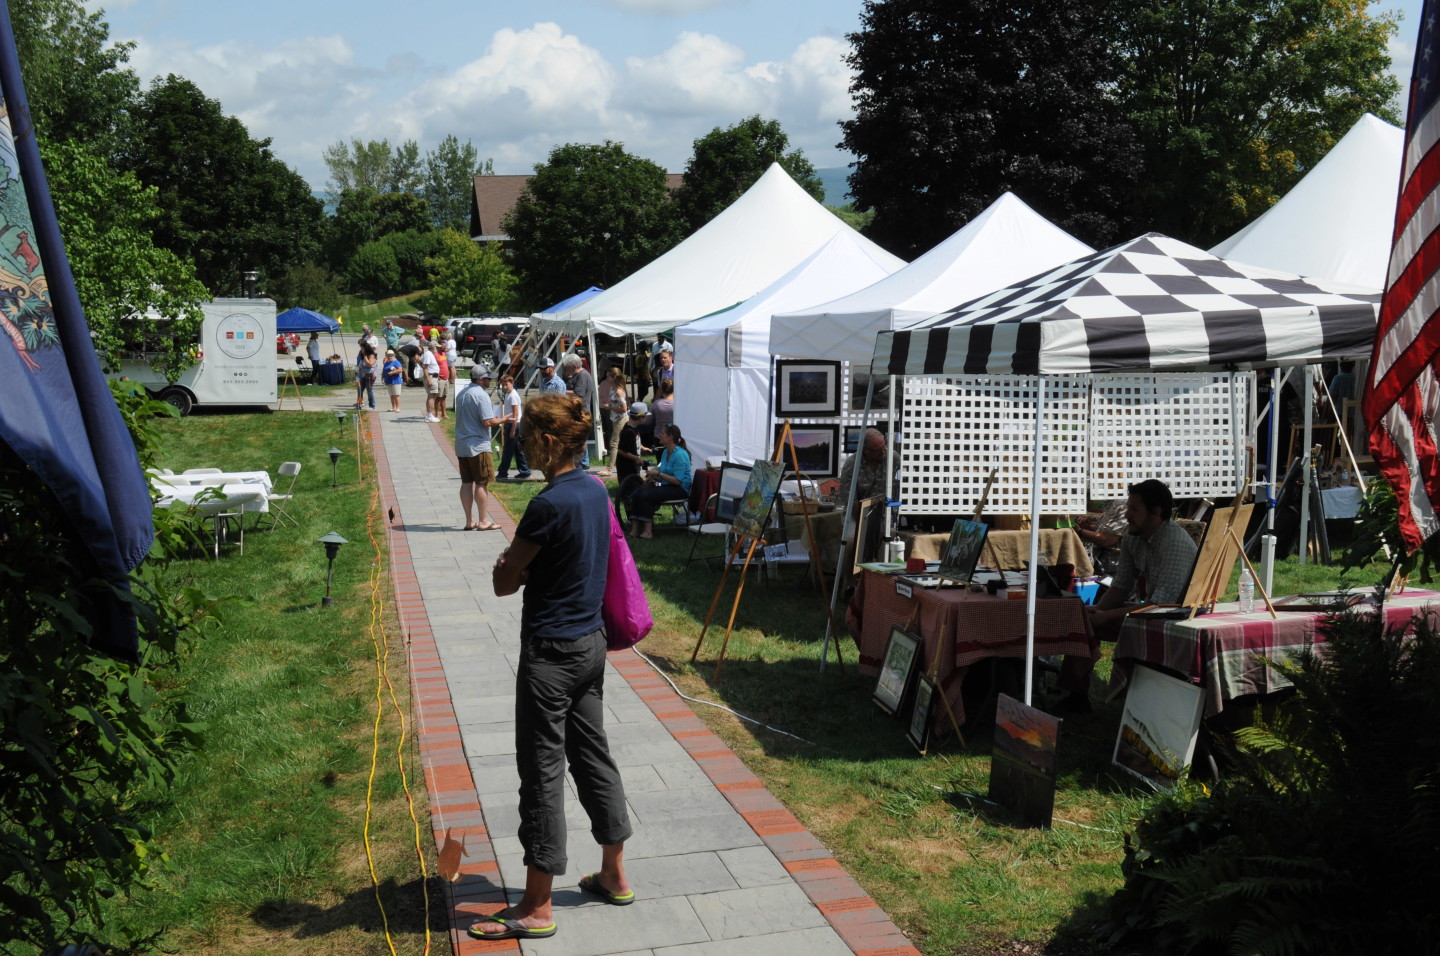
556, 427
507, 380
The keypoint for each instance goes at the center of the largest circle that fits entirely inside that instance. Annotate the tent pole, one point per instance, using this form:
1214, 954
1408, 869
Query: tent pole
842, 573
1034, 539
889, 462
594, 409
1305, 473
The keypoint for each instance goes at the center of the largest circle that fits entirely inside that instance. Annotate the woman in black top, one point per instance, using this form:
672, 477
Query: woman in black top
559, 556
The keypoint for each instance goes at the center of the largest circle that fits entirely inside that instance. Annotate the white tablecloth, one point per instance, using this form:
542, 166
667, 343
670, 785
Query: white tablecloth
238, 496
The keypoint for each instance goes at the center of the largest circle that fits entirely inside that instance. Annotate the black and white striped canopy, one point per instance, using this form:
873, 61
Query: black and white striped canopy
1153, 303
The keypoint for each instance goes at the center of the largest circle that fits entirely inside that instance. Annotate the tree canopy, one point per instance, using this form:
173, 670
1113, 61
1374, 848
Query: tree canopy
229, 204
1234, 100
373, 164
591, 215
469, 277
726, 162
957, 101
450, 171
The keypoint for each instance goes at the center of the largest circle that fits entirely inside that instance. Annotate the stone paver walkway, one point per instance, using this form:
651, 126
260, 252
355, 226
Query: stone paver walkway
719, 866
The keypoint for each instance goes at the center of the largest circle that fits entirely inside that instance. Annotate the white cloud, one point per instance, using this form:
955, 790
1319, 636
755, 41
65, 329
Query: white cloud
530, 90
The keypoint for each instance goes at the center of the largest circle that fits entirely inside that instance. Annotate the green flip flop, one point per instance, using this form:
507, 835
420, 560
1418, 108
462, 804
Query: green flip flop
511, 930
591, 884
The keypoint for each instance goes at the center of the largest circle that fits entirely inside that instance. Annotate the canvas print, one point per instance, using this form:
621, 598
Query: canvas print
1159, 727
962, 552
870, 528
817, 448
1022, 761
853, 433
758, 499
860, 384
806, 388
895, 670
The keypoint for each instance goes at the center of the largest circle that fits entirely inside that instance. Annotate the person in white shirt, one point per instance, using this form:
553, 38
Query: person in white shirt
432, 380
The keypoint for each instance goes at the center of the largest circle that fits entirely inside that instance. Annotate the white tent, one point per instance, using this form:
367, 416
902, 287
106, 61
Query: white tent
757, 239
726, 356
1336, 223
1007, 242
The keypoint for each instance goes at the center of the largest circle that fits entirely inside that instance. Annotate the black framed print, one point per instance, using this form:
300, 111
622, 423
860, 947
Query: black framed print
806, 388
900, 657
919, 732
817, 449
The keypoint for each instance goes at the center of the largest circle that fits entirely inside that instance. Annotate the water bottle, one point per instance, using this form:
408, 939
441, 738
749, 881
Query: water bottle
1247, 592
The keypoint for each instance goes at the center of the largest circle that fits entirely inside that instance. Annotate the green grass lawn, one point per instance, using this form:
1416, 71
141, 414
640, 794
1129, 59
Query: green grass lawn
265, 826
956, 873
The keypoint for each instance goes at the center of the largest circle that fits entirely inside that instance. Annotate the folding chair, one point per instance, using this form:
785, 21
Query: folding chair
290, 469
699, 531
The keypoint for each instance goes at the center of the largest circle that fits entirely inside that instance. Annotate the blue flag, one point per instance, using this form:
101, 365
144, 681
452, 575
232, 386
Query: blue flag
57, 412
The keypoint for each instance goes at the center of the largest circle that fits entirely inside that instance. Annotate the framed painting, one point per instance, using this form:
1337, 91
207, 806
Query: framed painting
900, 657
919, 731
962, 552
806, 389
734, 480
853, 433
1023, 760
869, 531
817, 448
753, 512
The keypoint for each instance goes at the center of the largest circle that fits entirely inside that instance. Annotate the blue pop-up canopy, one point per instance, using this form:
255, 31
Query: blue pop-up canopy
576, 299
304, 320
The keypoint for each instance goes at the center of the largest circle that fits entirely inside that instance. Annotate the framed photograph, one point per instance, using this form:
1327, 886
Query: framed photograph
900, 658
869, 527
860, 384
817, 447
962, 552
806, 388
753, 513
853, 433
919, 731
734, 479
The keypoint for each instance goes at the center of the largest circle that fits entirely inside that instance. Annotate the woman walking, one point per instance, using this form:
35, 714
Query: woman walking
559, 557
366, 366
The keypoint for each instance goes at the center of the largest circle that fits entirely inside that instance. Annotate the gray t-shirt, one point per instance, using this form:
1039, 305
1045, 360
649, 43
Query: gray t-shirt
583, 385
472, 409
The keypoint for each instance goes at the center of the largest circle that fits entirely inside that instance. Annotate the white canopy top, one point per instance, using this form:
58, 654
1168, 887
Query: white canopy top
1007, 242
1337, 221
739, 337
758, 238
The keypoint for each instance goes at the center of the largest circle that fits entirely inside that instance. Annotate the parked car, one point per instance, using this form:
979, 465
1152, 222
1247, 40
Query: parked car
479, 335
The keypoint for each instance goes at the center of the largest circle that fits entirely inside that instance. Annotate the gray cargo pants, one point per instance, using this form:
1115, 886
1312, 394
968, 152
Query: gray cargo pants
558, 718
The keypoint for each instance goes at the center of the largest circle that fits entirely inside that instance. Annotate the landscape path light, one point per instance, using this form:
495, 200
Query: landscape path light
332, 542
334, 454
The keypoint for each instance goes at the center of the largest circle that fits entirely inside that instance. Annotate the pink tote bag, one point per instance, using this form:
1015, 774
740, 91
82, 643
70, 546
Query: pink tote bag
625, 610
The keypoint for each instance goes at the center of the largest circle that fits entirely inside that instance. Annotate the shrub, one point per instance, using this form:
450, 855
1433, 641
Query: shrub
1323, 836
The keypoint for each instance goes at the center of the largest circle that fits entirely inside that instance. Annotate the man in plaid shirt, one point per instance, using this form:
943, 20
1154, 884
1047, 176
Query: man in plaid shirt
1156, 558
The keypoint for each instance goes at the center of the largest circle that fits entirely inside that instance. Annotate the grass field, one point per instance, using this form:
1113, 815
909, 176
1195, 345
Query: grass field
265, 828
956, 873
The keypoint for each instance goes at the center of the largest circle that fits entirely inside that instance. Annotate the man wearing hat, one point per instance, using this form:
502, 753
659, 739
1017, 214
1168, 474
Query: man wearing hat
427, 360
394, 377
474, 417
549, 381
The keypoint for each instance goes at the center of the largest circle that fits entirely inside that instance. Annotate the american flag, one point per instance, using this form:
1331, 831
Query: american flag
1402, 392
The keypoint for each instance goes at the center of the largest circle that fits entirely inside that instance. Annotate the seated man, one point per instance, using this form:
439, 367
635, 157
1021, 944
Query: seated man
867, 470
1156, 558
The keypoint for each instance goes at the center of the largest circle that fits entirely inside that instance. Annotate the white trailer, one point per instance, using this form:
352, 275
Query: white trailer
236, 359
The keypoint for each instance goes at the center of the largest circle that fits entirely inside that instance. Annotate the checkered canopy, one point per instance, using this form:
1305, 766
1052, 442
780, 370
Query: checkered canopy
1153, 303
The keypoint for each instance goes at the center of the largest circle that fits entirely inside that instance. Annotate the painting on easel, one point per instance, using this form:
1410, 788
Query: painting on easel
759, 497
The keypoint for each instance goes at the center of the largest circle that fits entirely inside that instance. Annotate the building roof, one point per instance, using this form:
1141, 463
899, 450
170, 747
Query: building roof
495, 196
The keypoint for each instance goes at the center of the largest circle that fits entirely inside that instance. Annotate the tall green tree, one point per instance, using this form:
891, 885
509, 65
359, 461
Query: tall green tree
468, 277
450, 171
957, 101
591, 215
726, 162
75, 79
373, 164
1234, 100
364, 215
230, 204
136, 295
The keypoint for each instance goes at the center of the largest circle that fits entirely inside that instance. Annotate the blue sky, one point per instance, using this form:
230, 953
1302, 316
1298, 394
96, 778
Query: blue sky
516, 77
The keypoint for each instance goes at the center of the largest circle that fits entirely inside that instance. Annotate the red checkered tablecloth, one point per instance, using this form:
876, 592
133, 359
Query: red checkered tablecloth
963, 627
1226, 652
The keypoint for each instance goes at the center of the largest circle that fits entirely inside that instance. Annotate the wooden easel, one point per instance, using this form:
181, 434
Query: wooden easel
1217, 557
785, 441
291, 383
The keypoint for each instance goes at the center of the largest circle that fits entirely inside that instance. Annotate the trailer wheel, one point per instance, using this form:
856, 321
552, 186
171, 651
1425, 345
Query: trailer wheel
179, 399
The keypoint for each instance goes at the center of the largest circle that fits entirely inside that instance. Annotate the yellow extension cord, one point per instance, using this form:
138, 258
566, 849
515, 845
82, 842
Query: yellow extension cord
384, 687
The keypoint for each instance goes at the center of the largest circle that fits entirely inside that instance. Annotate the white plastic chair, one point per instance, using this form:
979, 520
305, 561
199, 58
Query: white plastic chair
290, 469
201, 471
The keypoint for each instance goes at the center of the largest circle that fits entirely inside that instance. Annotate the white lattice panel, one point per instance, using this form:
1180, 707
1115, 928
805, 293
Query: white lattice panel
956, 429
1187, 429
